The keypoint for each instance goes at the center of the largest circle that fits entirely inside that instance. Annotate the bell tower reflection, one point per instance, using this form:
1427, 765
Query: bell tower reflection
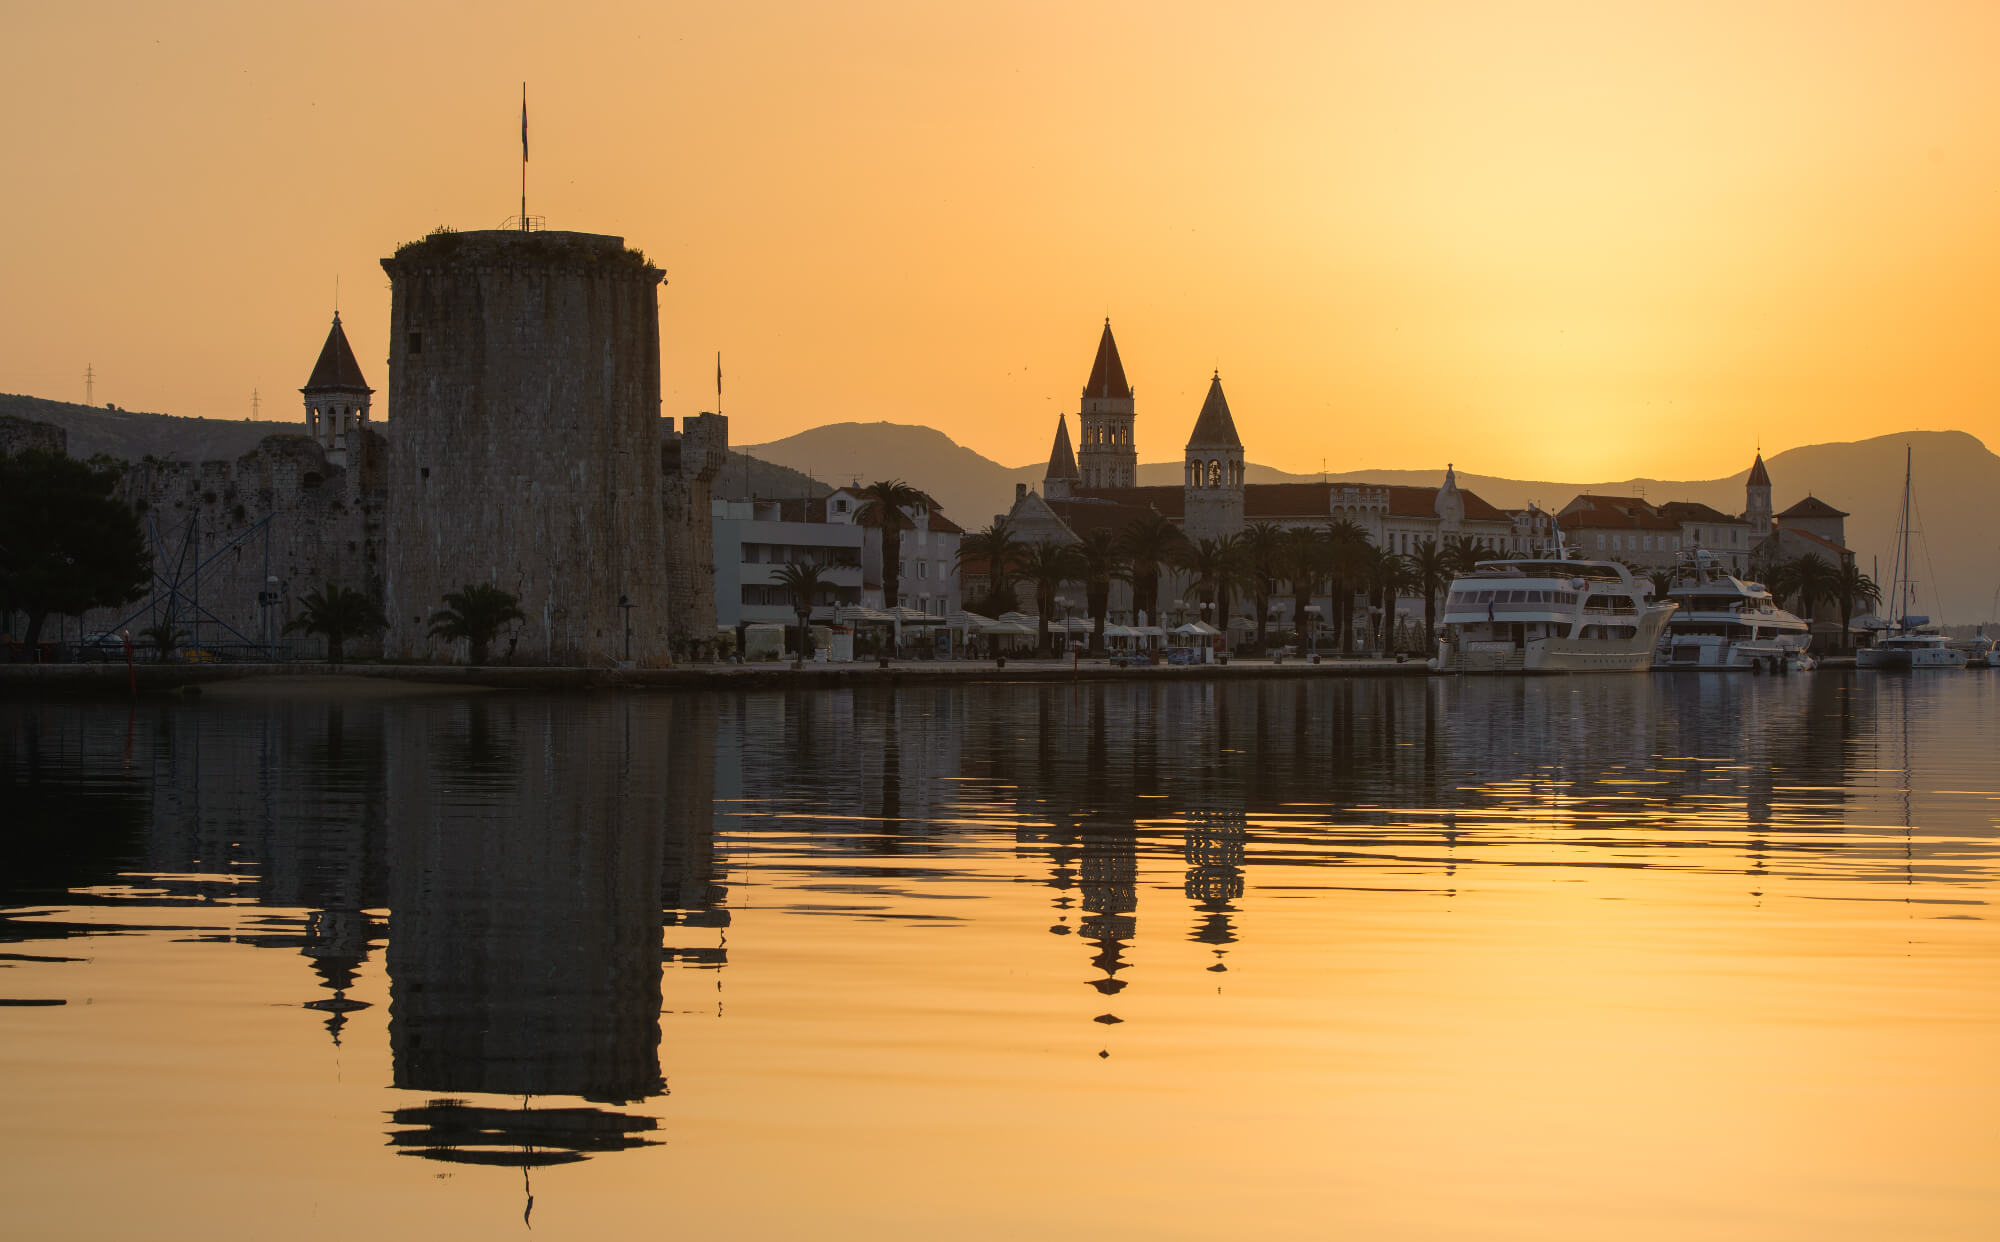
1214, 854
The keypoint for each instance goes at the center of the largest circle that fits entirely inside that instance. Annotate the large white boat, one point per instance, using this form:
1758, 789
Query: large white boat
1725, 622
1549, 615
1910, 642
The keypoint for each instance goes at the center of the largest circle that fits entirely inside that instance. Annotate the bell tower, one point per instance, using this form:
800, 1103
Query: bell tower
1213, 488
1107, 455
1757, 500
336, 399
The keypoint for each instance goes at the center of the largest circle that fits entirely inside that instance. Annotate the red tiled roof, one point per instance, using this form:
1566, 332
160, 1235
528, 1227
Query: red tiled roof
1829, 544
1213, 427
1693, 511
1107, 373
1612, 513
1167, 501
1812, 507
336, 368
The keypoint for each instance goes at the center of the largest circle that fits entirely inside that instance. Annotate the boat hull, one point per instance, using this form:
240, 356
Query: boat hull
1557, 655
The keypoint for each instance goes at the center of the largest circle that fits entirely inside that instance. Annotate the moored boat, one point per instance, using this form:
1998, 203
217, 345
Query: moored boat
1910, 642
1726, 622
1549, 615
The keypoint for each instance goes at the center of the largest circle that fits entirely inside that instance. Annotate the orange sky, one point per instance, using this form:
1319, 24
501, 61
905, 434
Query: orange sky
1569, 241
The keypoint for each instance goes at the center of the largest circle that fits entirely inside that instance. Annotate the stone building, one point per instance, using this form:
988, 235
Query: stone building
524, 376
336, 398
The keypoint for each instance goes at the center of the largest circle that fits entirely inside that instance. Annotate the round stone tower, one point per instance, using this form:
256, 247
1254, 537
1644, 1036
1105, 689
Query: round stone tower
525, 451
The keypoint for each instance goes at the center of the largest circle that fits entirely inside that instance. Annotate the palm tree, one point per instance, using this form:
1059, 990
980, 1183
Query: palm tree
1048, 565
1462, 552
1387, 575
1101, 561
1851, 587
1148, 543
163, 636
475, 612
1306, 563
339, 613
887, 498
1816, 581
1348, 557
1002, 553
1214, 567
802, 582
1430, 566
1264, 547
1663, 581
1781, 579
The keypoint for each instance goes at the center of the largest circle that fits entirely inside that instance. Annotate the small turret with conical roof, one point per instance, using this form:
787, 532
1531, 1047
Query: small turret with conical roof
1757, 500
336, 398
1450, 504
1214, 471
1107, 455
1059, 480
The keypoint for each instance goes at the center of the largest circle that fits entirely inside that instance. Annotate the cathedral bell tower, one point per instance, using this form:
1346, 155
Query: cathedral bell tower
1213, 487
1757, 500
336, 400
1107, 455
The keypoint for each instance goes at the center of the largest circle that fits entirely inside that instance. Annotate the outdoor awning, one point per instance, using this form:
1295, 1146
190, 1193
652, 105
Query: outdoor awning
1004, 628
963, 620
1199, 629
854, 614
913, 616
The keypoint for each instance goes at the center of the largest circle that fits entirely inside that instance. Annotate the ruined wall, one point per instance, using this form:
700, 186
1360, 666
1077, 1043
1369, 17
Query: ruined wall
202, 521
18, 435
691, 460
524, 389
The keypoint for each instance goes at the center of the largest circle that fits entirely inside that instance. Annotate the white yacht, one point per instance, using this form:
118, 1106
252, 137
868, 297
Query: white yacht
1725, 622
1910, 642
1549, 615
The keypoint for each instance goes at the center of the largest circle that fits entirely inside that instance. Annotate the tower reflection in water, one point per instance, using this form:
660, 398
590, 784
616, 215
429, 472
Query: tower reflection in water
526, 879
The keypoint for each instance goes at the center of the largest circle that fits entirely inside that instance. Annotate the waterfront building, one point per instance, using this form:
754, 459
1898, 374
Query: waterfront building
755, 539
927, 574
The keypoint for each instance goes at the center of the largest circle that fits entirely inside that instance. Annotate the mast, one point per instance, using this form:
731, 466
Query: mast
1901, 583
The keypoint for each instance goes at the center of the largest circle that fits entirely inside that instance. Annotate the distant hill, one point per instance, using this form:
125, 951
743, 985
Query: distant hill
1956, 477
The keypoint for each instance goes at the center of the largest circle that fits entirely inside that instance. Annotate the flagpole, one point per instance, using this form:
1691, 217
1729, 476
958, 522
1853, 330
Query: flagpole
524, 157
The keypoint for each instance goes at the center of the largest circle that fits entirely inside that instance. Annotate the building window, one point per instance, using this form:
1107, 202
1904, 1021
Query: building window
923, 569
1600, 543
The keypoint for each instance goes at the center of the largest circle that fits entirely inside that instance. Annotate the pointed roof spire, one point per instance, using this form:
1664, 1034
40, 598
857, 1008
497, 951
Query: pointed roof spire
336, 368
1213, 427
1062, 459
1450, 478
1107, 373
1759, 477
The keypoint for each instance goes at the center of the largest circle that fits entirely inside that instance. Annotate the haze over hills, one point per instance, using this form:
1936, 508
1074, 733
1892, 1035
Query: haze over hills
1956, 476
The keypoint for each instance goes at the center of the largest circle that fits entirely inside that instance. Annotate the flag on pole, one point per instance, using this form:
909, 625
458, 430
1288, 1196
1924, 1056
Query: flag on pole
524, 122
718, 377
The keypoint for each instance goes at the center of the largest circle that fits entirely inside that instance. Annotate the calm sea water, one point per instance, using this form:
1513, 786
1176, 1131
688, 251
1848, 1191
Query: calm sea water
1556, 958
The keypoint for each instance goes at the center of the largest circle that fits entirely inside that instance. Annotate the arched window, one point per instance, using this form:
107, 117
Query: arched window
1214, 473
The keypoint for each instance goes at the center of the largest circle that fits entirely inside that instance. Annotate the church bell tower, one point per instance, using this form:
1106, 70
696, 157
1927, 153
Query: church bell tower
1107, 455
336, 399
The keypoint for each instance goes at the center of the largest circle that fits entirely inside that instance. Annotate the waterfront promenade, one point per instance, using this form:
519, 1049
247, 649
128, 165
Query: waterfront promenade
29, 680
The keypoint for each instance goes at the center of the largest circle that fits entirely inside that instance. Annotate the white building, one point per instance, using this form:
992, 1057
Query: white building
755, 539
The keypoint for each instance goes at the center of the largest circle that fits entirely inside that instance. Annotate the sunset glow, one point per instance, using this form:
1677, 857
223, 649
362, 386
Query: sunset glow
1541, 240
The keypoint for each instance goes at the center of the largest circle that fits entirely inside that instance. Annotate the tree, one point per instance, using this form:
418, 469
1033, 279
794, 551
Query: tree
1462, 552
1002, 553
1308, 559
1817, 580
1385, 576
887, 498
1101, 561
1662, 580
802, 582
1264, 547
1048, 565
1214, 567
1851, 587
163, 636
1349, 558
1429, 566
66, 545
475, 612
1148, 542
1781, 579
339, 613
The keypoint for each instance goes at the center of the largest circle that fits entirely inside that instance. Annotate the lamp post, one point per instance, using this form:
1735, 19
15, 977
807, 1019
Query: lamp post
625, 602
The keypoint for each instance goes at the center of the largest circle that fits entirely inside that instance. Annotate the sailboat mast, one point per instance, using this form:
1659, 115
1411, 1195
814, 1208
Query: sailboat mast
1903, 551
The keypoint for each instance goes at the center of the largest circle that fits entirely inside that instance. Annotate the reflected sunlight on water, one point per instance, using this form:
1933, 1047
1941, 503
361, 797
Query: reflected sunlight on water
1505, 958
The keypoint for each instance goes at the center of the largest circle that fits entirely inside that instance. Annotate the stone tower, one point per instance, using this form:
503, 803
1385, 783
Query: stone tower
1757, 500
336, 399
1214, 484
1108, 456
1449, 505
524, 372
1060, 479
